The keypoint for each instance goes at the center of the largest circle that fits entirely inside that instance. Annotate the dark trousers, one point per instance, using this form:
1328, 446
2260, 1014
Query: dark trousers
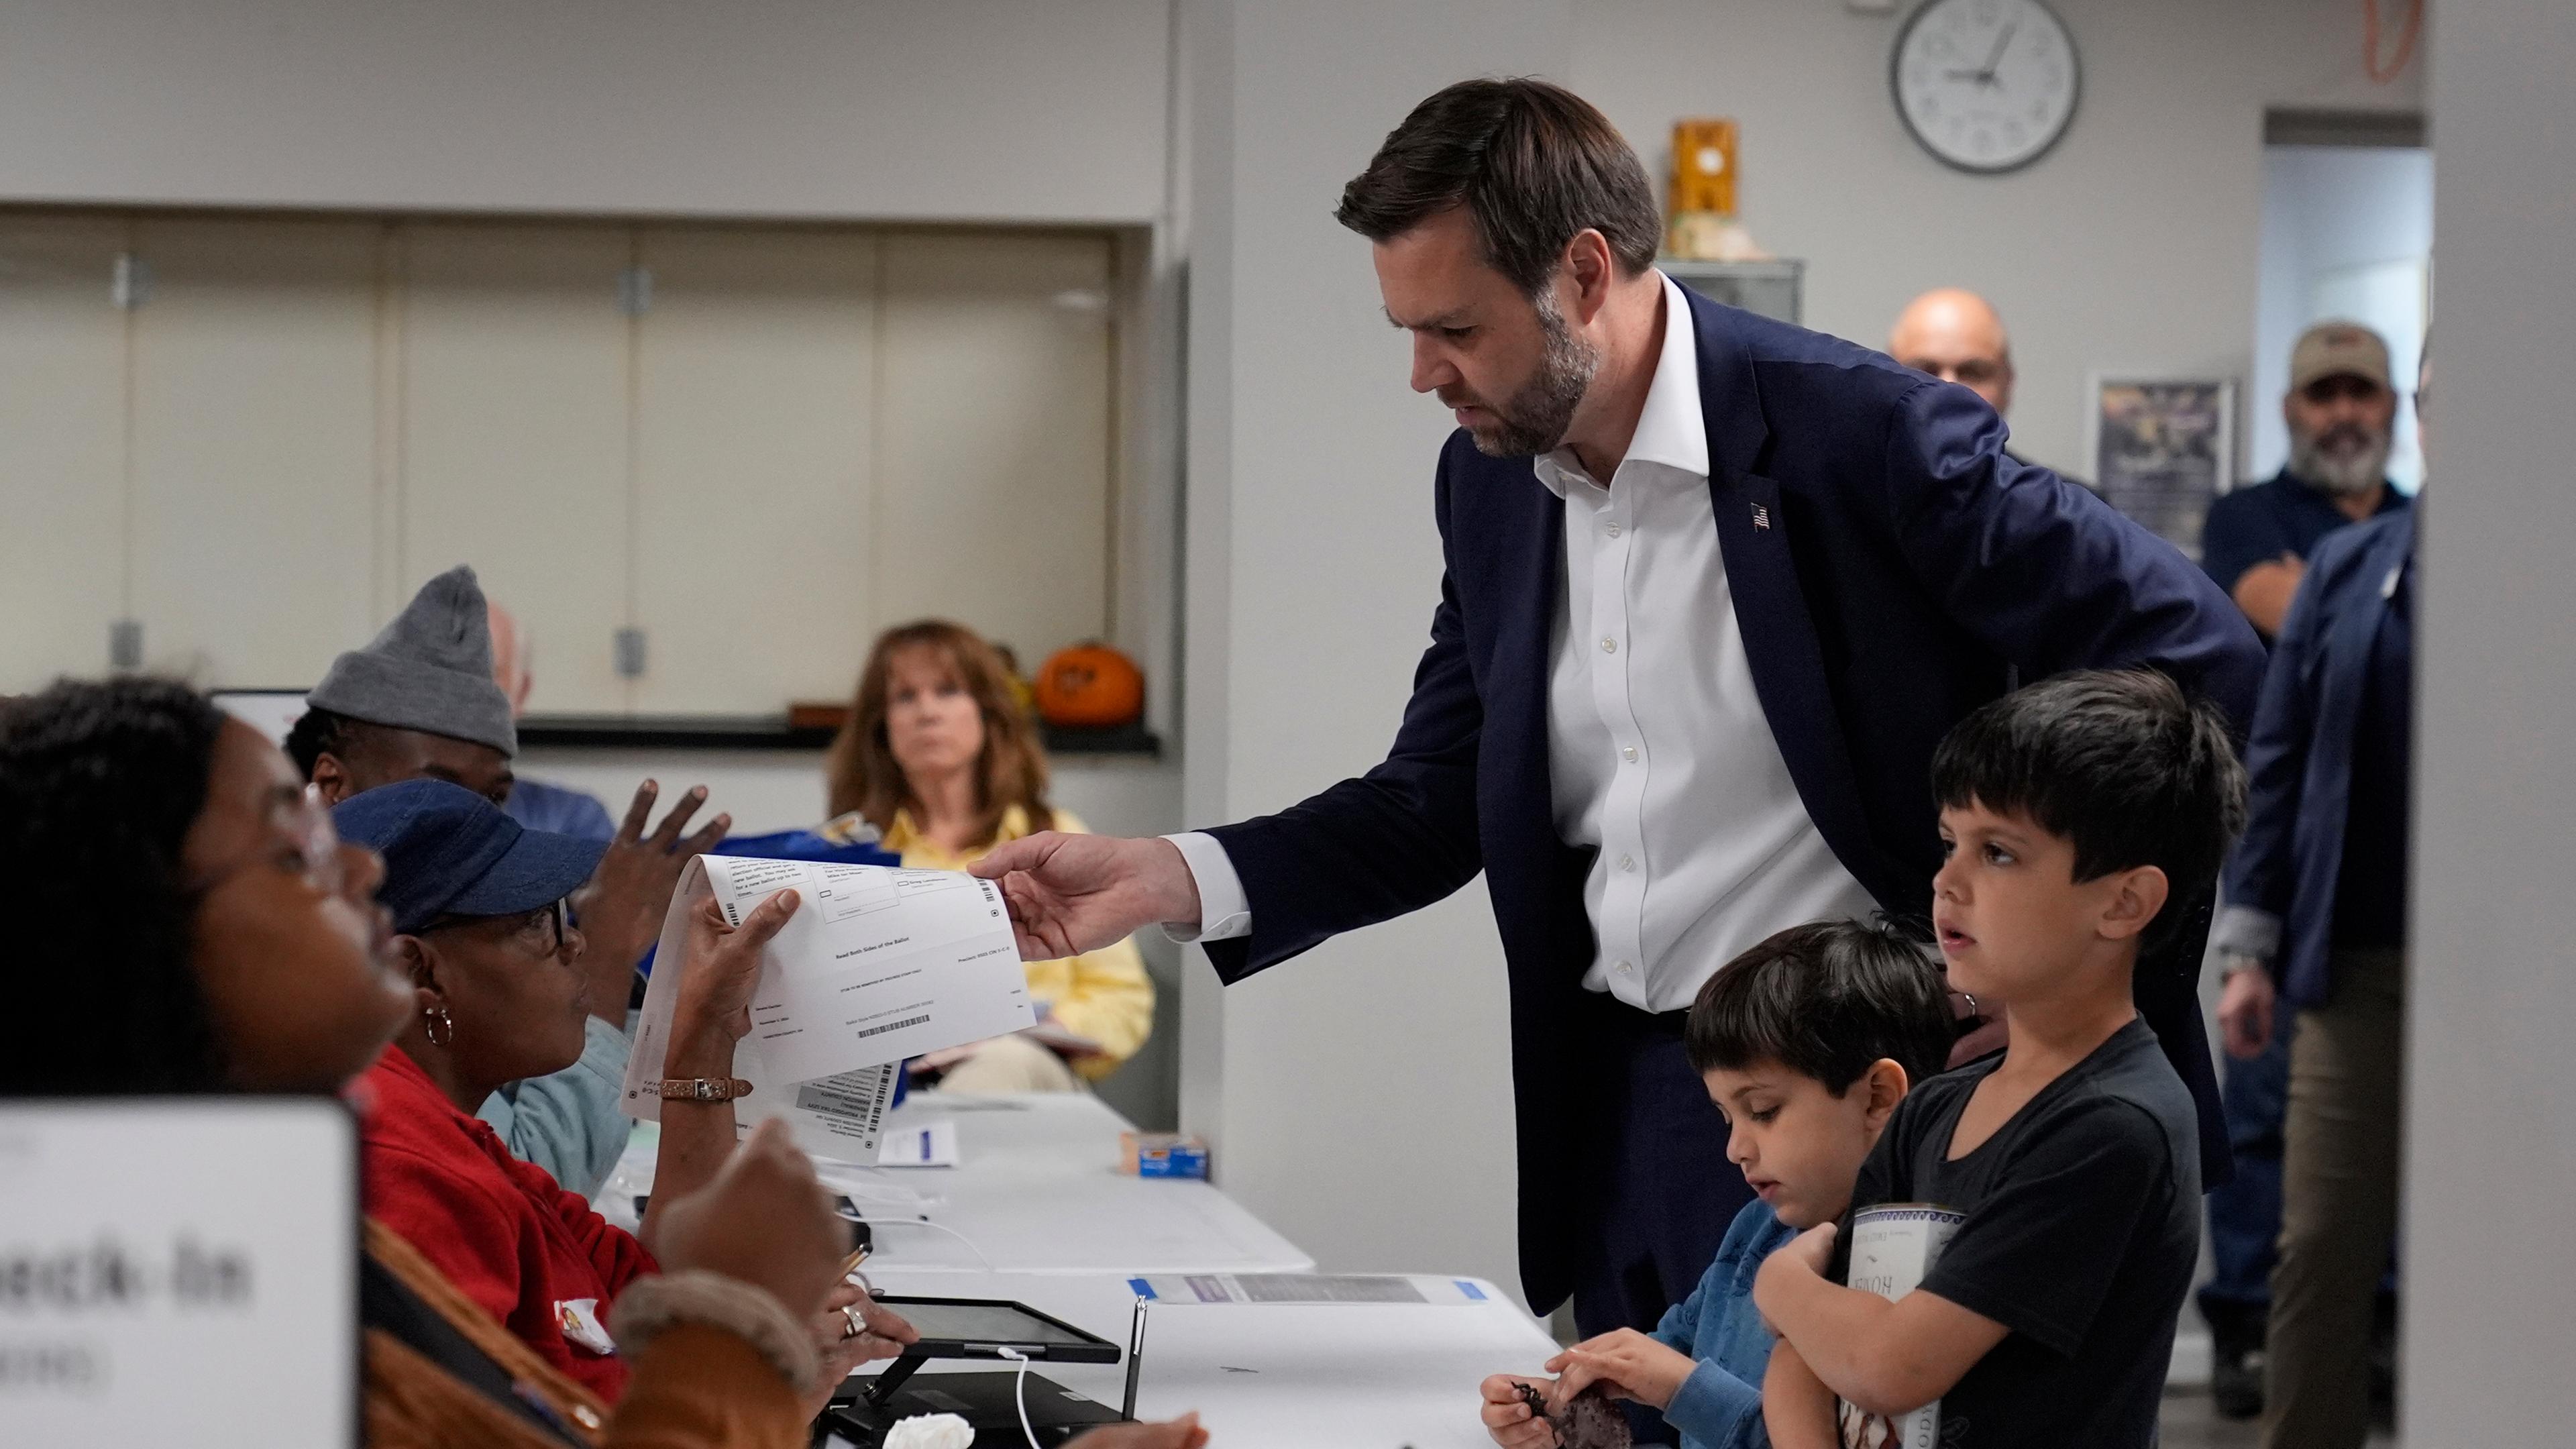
1653, 1156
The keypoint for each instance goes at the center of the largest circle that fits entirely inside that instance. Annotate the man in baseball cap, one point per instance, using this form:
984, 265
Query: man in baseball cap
2342, 412
419, 702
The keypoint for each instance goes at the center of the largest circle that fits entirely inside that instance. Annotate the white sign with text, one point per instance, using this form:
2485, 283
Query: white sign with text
179, 1270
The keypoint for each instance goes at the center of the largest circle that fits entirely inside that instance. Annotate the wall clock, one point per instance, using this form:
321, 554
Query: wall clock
1985, 85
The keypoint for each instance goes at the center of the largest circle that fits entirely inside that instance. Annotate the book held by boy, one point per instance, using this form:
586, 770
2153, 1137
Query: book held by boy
1893, 1246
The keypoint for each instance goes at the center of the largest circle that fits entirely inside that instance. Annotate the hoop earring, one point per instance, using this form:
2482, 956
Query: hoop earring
439, 1026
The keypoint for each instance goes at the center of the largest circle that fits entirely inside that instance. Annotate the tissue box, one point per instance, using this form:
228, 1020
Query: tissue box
1161, 1154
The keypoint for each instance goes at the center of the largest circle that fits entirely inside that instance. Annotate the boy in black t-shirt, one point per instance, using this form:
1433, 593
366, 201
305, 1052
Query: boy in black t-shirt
2074, 813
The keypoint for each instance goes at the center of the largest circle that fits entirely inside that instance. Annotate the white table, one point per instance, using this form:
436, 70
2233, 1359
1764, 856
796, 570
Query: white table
1355, 1376
1036, 1190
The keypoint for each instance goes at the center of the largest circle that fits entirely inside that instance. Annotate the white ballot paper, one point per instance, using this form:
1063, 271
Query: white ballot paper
878, 964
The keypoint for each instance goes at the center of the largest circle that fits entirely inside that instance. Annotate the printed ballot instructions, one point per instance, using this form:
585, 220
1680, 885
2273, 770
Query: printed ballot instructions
878, 964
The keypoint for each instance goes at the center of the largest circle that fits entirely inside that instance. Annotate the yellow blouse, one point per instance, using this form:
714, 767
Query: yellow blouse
1104, 995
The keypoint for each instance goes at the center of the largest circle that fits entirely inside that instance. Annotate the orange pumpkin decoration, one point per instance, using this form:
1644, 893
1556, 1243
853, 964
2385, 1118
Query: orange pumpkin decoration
1090, 686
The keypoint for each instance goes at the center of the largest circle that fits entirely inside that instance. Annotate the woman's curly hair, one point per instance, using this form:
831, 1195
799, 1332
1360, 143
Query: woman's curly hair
99, 784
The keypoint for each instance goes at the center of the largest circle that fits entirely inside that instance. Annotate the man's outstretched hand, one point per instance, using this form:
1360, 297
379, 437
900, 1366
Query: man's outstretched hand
1074, 893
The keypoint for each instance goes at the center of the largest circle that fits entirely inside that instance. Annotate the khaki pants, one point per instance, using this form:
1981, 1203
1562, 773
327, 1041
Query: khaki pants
1010, 1064
2338, 1204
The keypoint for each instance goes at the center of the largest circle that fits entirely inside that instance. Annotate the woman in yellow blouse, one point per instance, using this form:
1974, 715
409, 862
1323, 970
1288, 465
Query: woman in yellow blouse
940, 757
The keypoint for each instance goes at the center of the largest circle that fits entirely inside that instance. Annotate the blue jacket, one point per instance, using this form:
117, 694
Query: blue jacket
1720, 1404
1891, 570
2281, 881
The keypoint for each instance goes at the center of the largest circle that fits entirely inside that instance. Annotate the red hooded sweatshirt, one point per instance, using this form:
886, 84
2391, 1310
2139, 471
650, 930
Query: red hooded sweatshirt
531, 1254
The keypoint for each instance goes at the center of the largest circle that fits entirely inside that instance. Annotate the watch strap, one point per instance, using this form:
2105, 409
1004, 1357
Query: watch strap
702, 1089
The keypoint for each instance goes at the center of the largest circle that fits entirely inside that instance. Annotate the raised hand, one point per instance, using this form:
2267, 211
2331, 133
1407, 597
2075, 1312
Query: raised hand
621, 909
714, 1008
1074, 893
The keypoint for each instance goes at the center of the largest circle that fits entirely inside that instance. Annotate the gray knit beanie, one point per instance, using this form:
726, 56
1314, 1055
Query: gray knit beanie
430, 670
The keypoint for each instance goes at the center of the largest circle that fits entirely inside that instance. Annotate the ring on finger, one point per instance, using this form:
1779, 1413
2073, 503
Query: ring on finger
856, 1325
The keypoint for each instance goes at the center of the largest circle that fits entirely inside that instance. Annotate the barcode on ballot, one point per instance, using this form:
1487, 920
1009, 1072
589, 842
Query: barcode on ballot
892, 1026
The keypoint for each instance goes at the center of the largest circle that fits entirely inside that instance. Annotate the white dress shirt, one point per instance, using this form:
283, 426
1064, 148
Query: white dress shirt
1658, 752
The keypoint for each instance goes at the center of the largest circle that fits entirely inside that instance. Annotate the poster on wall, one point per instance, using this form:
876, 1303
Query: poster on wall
2162, 448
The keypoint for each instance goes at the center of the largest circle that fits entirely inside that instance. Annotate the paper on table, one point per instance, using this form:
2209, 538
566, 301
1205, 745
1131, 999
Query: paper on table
932, 1145
1308, 1288
876, 965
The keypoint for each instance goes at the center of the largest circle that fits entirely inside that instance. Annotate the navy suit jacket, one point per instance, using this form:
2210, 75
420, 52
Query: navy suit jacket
1891, 571
2300, 759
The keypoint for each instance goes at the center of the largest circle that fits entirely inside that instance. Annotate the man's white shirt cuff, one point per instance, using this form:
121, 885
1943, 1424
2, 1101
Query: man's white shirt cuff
1224, 912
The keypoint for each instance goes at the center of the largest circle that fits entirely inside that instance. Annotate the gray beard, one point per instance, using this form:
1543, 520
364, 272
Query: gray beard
1535, 419
2341, 473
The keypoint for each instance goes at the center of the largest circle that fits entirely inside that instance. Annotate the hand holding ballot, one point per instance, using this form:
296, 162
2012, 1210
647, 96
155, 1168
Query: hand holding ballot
722, 966
1074, 893
812, 980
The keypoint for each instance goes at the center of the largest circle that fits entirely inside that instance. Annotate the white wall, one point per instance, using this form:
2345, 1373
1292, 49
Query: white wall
2130, 246
2491, 1124
2329, 207
1361, 1094
1002, 110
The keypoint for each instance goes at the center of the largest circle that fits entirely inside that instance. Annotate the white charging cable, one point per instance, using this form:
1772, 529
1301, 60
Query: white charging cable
1020, 1393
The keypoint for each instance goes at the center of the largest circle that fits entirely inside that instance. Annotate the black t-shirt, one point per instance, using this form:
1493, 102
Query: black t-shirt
2081, 1235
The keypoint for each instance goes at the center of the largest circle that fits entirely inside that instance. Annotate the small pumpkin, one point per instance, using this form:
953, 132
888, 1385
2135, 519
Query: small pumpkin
1090, 686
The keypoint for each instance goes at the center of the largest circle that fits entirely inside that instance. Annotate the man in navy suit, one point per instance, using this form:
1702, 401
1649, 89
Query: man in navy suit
1715, 587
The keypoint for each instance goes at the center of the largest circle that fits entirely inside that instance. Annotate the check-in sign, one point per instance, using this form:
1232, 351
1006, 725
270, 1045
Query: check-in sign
178, 1271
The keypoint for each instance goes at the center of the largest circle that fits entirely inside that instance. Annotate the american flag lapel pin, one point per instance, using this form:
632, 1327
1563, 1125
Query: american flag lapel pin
1761, 516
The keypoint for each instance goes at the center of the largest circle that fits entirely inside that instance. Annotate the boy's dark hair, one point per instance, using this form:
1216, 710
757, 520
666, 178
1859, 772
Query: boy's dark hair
2120, 762
1533, 163
1825, 1000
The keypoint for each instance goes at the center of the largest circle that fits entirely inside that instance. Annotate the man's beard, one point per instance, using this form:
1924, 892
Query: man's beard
1536, 417
2344, 460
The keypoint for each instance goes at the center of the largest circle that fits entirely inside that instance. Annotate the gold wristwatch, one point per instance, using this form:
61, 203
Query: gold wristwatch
702, 1089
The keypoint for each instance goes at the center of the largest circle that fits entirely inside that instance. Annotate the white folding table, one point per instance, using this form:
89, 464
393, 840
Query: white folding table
1036, 1189
1271, 1376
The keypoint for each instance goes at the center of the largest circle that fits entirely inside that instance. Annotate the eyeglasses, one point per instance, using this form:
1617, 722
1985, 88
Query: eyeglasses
540, 933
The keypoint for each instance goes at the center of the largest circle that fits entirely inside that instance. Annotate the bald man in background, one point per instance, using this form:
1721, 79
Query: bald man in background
1957, 336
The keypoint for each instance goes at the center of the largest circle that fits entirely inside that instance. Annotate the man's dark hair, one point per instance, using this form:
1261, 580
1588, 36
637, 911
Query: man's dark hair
2118, 761
1825, 1000
1533, 163
320, 732
100, 784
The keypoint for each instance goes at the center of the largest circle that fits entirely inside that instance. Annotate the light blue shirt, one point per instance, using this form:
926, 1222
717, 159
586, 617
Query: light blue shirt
1720, 1405
570, 1123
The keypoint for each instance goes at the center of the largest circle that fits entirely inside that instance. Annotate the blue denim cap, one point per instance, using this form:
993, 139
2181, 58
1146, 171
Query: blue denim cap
450, 852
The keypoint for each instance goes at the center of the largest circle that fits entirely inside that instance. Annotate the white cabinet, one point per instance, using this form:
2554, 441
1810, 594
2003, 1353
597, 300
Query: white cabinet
756, 503
994, 466
255, 448
62, 448
754, 445
515, 424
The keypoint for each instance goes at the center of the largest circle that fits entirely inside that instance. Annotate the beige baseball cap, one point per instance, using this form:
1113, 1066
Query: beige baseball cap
2338, 349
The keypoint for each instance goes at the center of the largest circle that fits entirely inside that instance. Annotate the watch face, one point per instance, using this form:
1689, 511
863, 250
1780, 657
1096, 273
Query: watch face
1986, 85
